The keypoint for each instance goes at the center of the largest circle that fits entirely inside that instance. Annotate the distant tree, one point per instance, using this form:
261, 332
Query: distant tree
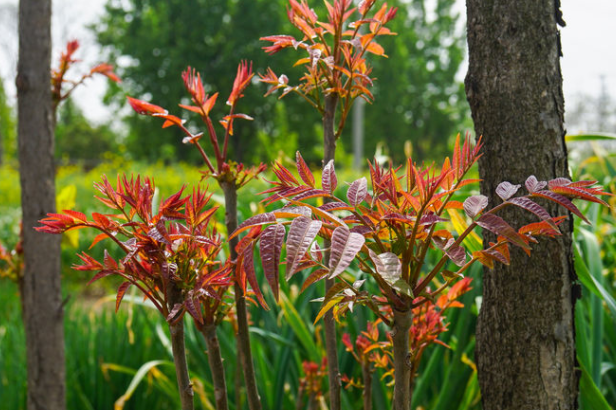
526, 357
153, 41
42, 296
159, 39
421, 100
7, 127
78, 141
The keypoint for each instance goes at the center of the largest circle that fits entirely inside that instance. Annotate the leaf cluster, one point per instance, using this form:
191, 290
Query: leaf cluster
390, 230
174, 242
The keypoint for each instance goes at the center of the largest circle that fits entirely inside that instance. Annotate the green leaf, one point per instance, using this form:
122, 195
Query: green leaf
590, 395
597, 136
141, 373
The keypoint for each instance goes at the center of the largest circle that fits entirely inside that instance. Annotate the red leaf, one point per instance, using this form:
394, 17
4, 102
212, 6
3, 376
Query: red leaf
192, 308
577, 192
357, 191
248, 265
257, 220
270, 248
497, 225
533, 185
387, 265
145, 108
344, 247
100, 275
315, 276
301, 234
531, 206
304, 170
121, 291
474, 205
329, 180
506, 190
561, 200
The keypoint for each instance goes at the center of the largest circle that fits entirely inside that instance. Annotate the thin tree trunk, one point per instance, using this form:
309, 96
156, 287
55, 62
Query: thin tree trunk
402, 365
174, 296
525, 336
42, 294
254, 402
367, 378
329, 324
216, 367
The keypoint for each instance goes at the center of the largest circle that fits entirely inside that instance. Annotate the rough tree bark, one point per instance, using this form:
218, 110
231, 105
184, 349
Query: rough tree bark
42, 297
525, 335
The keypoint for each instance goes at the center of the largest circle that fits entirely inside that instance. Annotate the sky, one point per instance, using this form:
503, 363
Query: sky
589, 48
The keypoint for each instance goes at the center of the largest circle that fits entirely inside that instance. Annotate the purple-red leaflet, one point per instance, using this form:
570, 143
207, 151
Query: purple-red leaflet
270, 248
301, 234
344, 247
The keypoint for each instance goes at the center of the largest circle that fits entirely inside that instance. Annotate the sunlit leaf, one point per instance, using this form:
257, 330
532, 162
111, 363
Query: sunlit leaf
474, 205
301, 234
270, 248
344, 247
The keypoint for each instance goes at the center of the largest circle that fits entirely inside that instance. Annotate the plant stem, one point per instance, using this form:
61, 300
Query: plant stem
174, 296
402, 366
331, 348
216, 367
254, 402
366, 372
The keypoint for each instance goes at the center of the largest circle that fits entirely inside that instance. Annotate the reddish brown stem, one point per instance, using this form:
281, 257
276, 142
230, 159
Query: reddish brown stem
254, 402
174, 296
216, 367
366, 372
331, 347
402, 366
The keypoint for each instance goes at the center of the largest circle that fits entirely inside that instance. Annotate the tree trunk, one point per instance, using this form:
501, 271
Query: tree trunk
525, 335
42, 295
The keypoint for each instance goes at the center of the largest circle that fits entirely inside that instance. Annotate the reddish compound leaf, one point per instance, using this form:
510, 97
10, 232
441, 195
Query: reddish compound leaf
194, 309
329, 179
344, 248
457, 254
560, 181
474, 205
301, 234
175, 313
387, 265
506, 190
587, 194
561, 200
532, 206
357, 191
99, 275
145, 108
303, 170
270, 248
248, 265
315, 276
533, 185
497, 225
121, 291
257, 220
484, 258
